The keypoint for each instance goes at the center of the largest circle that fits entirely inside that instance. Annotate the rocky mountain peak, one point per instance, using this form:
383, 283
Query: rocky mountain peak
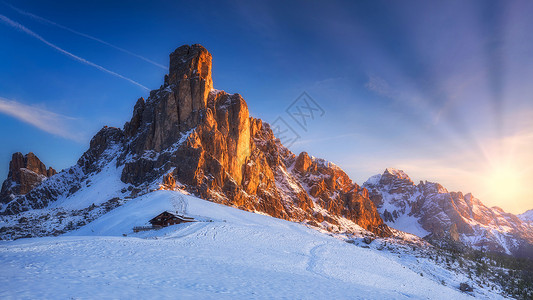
25, 173
396, 180
188, 136
429, 209
396, 173
190, 62
205, 140
178, 106
28, 161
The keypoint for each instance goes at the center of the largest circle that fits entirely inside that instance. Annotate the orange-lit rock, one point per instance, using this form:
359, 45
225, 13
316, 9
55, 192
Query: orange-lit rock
229, 157
25, 173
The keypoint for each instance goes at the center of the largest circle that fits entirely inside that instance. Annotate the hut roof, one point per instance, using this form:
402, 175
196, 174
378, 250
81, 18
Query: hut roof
172, 215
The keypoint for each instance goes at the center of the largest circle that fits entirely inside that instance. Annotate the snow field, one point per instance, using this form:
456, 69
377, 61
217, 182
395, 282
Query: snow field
231, 254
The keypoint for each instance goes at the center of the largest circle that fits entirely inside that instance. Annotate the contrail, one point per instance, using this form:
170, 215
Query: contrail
20, 11
35, 35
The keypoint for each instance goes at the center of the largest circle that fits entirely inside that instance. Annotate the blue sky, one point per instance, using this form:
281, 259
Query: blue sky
441, 90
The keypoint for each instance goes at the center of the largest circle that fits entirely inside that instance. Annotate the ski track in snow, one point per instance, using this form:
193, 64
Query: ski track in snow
314, 260
179, 203
237, 255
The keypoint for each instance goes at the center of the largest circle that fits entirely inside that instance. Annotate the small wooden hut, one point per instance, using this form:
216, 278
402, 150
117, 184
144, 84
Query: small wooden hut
167, 218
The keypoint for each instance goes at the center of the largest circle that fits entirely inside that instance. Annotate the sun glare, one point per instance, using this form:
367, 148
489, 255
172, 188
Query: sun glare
504, 183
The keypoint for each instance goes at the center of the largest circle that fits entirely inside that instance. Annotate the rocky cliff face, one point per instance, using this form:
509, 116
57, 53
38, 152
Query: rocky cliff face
428, 209
25, 173
186, 135
190, 135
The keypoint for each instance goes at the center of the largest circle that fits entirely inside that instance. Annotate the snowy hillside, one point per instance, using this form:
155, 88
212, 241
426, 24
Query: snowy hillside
94, 194
228, 254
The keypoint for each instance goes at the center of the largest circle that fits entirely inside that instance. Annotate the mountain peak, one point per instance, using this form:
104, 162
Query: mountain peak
470, 197
192, 61
527, 216
400, 174
25, 172
429, 209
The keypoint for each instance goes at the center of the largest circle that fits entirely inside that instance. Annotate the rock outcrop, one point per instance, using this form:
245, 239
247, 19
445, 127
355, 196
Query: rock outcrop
189, 136
428, 209
25, 173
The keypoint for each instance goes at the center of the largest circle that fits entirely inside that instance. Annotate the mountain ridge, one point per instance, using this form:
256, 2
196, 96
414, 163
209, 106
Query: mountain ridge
526, 216
429, 209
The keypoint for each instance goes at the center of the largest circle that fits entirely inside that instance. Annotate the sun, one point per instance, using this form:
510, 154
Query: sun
504, 182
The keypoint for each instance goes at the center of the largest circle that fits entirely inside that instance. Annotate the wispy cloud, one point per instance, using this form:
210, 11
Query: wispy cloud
43, 119
82, 60
380, 86
43, 20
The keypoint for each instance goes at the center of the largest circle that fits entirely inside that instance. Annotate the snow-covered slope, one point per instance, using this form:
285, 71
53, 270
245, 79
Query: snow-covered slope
428, 208
527, 216
228, 254
80, 196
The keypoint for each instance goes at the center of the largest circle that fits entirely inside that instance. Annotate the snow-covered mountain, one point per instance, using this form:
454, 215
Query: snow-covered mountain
527, 216
227, 254
428, 209
188, 136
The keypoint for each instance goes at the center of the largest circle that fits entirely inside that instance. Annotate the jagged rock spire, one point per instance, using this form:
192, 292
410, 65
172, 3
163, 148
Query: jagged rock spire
190, 62
190, 79
178, 105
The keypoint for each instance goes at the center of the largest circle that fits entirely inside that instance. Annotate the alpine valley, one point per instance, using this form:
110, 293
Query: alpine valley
268, 223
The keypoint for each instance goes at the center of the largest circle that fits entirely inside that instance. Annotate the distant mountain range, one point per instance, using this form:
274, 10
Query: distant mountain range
428, 210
